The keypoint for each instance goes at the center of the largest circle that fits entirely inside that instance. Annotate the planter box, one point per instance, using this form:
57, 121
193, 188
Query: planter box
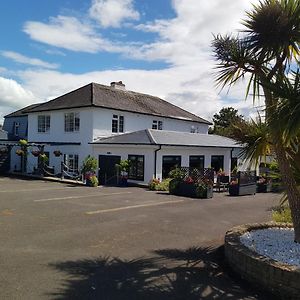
207, 194
263, 188
241, 190
188, 190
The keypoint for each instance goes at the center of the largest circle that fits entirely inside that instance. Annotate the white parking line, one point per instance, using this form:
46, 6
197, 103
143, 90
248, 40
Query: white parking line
31, 190
133, 206
79, 197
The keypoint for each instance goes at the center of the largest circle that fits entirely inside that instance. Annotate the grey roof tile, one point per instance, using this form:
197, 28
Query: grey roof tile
171, 138
104, 96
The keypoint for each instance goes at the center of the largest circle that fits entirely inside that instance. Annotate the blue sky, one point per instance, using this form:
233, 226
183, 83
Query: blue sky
153, 46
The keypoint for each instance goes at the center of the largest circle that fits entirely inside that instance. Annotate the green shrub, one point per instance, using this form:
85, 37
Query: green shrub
164, 185
177, 173
173, 186
153, 184
89, 164
94, 181
282, 215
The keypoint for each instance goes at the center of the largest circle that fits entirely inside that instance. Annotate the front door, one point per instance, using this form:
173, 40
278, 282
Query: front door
107, 169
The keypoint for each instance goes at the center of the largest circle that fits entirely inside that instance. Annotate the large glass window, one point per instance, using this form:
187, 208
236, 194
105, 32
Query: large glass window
71, 161
197, 162
117, 124
217, 162
136, 168
158, 125
43, 123
169, 163
72, 122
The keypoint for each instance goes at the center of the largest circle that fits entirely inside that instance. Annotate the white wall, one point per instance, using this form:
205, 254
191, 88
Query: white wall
148, 151
102, 119
123, 151
186, 152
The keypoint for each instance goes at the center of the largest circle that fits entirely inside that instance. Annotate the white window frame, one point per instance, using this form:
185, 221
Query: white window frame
44, 123
117, 124
72, 122
157, 125
72, 161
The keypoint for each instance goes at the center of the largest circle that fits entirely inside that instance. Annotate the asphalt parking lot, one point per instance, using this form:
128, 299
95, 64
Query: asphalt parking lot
61, 241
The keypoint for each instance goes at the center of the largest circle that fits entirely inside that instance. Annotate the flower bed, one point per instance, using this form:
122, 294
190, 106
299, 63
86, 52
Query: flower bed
188, 188
276, 277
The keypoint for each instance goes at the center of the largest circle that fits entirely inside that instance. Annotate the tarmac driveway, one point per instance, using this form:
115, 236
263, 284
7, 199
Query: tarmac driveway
60, 241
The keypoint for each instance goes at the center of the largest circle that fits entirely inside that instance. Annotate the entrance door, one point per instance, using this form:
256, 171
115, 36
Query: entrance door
107, 169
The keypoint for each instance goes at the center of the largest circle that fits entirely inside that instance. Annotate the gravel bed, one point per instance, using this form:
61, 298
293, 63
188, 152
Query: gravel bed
276, 243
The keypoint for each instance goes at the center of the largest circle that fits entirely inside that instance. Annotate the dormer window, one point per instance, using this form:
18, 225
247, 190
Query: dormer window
72, 122
158, 125
117, 124
43, 123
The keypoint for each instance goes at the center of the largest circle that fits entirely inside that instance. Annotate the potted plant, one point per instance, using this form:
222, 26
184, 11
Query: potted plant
204, 189
91, 180
35, 153
43, 158
123, 168
57, 153
88, 169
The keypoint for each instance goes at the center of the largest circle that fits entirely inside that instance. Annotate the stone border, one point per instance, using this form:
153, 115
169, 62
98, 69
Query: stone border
278, 278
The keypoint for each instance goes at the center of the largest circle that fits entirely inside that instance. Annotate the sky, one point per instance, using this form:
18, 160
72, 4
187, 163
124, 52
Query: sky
158, 47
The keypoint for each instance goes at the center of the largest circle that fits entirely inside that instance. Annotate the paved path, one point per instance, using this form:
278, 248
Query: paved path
61, 241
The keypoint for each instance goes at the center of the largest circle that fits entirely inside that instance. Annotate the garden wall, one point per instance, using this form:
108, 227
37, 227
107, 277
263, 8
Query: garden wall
278, 278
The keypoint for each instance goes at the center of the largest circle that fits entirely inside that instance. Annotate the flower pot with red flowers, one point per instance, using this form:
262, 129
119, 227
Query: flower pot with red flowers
57, 153
35, 153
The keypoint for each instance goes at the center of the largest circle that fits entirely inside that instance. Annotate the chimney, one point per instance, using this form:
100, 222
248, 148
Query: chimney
118, 85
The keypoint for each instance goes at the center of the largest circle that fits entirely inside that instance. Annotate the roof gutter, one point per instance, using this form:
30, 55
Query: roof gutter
155, 160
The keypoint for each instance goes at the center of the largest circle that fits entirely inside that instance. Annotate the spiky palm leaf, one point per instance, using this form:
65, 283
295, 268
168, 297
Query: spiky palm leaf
254, 136
273, 28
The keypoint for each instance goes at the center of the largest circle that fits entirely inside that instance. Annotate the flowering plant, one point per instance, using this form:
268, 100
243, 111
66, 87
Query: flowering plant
234, 182
189, 180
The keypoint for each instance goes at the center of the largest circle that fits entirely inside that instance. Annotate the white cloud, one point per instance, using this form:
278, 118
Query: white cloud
13, 96
111, 13
183, 42
68, 33
17, 57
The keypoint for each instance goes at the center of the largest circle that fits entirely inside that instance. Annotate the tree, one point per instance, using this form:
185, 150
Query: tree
224, 120
268, 52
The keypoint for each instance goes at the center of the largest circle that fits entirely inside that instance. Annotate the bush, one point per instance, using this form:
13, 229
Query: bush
173, 186
153, 183
164, 185
92, 181
282, 215
177, 173
89, 164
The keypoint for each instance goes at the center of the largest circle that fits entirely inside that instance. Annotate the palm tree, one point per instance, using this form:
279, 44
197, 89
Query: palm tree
268, 51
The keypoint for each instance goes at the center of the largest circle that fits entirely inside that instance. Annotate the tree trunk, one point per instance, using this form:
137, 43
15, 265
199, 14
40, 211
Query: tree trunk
284, 163
292, 190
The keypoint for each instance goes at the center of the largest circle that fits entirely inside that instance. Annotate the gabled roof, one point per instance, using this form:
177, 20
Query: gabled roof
98, 95
169, 138
22, 112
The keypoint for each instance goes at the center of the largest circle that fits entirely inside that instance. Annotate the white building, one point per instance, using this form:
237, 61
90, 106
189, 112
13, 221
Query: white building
112, 123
